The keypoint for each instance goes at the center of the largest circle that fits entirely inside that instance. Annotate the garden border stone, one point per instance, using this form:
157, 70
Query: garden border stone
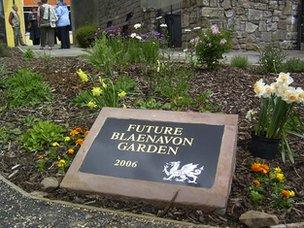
20, 209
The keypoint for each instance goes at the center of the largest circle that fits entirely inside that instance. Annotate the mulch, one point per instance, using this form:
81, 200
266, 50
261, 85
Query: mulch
232, 90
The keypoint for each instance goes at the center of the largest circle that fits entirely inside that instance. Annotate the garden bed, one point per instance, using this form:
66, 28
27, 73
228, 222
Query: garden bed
232, 94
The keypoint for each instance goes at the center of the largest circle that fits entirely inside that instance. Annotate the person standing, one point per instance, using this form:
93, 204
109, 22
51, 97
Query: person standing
33, 27
63, 24
14, 21
47, 23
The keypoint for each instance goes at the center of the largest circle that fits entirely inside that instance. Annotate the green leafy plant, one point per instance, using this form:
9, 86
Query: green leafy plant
104, 94
269, 186
294, 65
41, 136
204, 104
125, 83
28, 54
8, 133
151, 103
85, 35
272, 57
278, 101
26, 88
211, 46
240, 61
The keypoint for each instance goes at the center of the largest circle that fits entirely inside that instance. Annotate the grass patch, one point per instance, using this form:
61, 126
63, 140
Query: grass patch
240, 61
25, 89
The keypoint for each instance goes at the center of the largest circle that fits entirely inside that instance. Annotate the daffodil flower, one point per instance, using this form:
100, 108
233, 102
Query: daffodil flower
82, 75
67, 139
61, 163
55, 144
96, 91
122, 94
92, 104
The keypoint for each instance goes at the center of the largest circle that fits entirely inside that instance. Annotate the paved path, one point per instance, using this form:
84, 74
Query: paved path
18, 209
253, 56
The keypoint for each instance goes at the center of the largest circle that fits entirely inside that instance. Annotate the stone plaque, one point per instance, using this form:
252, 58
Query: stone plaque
156, 155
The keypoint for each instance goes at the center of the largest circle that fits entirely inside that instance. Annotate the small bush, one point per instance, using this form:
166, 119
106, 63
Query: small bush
294, 65
240, 61
28, 54
272, 58
85, 35
4, 51
211, 45
26, 89
42, 135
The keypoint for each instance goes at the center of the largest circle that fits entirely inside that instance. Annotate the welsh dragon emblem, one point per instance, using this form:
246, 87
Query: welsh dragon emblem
187, 173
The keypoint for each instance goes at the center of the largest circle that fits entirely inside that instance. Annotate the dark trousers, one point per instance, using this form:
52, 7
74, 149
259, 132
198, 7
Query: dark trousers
64, 34
47, 36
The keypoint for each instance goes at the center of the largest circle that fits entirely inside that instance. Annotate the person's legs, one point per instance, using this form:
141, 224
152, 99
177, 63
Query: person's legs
16, 36
20, 37
50, 37
43, 36
67, 31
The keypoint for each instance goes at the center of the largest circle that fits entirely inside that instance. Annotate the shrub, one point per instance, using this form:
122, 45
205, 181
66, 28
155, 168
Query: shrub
110, 52
41, 136
294, 65
211, 46
272, 58
4, 51
26, 88
240, 61
85, 35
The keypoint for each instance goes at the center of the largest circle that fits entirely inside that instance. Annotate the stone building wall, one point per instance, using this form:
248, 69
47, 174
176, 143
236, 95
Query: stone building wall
255, 22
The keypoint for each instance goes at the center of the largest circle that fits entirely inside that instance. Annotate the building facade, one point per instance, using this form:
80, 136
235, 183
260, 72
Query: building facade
254, 22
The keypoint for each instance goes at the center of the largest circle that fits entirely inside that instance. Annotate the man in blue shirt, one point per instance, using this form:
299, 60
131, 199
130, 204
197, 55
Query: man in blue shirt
63, 24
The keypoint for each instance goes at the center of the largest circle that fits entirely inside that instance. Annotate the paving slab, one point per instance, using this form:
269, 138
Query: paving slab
19, 209
56, 51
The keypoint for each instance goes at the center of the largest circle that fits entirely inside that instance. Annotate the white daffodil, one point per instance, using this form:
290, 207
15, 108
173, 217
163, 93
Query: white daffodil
133, 35
163, 25
284, 78
259, 88
137, 26
291, 95
250, 114
138, 37
301, 95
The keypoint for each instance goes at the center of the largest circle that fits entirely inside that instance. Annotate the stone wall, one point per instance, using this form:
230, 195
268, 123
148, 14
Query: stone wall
117, 11
255, 22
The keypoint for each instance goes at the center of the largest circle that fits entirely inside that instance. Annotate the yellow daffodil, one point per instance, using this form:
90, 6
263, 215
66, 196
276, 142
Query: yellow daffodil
82, 75
103, 82
67, 139
92, 104
122, 94
96, 91
55, 144
61, 163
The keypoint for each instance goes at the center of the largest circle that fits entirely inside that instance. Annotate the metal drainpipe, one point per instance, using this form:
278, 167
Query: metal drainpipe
300, 25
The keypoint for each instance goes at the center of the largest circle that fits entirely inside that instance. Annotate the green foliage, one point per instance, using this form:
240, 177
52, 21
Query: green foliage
294, 65
204, 104
4, 51
255, 196
272, 57
151, 103
8, 133
26, 88
106, 94
240, 61
85, 35
41, 136
28, 54
108, 53
211, 46
125, 83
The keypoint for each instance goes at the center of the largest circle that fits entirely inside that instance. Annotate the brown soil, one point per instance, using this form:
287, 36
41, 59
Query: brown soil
232, 90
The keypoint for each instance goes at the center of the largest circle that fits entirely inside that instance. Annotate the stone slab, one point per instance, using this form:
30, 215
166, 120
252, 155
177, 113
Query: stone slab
94, 167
